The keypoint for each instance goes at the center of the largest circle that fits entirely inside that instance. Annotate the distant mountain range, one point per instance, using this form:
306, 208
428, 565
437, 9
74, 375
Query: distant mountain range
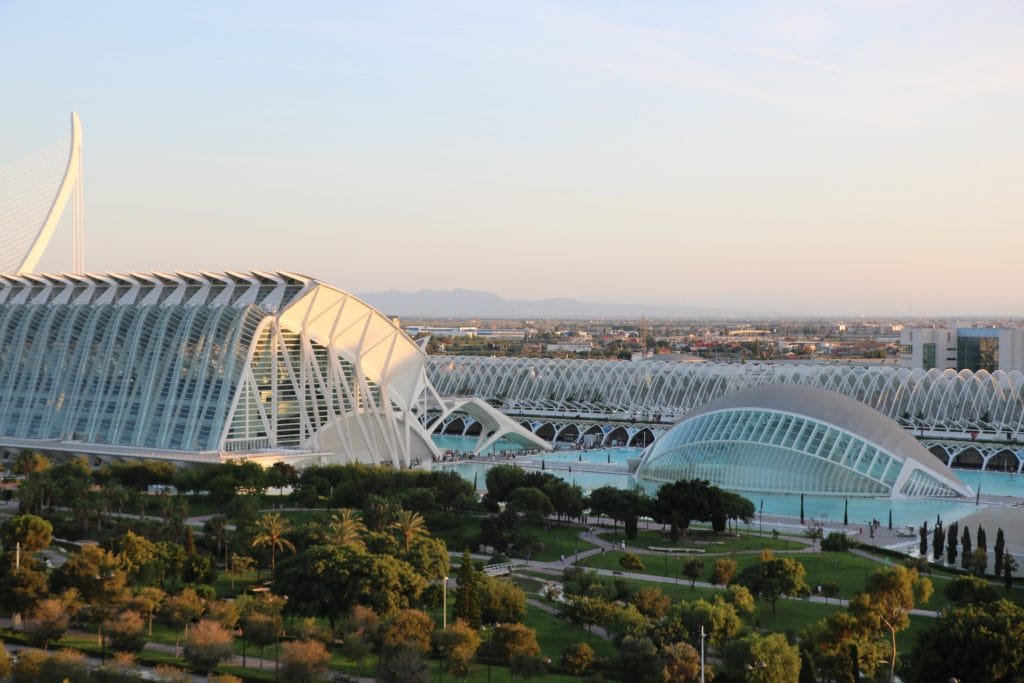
469, 303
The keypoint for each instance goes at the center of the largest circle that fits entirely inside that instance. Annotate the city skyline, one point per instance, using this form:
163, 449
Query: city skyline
837, 158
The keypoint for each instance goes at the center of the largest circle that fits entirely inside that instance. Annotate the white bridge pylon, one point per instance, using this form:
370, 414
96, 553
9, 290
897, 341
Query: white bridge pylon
34, 192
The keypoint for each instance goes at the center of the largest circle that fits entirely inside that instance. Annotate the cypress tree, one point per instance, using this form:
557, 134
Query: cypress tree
923, 546
938, 542
951, 543
890, 520
982, 539
1000, 546
801, 508
467, 596
1008, 565
965, 550
846, 510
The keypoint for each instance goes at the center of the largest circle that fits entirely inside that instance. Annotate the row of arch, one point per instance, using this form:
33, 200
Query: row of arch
577, 434
656, 391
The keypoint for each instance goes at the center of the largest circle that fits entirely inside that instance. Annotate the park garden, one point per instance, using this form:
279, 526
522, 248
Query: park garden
351, 572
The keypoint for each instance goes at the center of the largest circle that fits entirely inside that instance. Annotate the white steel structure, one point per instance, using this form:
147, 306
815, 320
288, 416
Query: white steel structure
33, 195
200, 367
980, 405
787, 438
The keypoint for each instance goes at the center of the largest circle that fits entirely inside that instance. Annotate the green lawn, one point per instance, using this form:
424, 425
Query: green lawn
848, 570
711, 544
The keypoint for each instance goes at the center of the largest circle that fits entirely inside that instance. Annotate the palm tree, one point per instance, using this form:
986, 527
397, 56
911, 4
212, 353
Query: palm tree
347, 528
409, 525
271, 530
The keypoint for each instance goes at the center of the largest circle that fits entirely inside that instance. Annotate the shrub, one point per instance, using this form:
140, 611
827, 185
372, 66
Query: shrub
836, 542
46, 623
121, 668
5, 662
29, 667
208, 643
166, 673
66, 665
127, 632
303, 661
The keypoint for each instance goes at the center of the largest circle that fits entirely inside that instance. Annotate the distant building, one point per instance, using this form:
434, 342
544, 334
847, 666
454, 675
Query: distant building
416, 330
962, 348
570, 348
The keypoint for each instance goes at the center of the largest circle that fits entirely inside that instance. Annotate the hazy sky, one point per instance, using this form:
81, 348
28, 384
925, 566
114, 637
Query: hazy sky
842, 157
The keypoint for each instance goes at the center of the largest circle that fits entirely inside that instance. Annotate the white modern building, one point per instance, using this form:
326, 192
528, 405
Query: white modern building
795, 439
206, 367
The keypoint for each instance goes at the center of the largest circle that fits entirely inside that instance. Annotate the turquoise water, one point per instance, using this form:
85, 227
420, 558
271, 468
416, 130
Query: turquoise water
861, 510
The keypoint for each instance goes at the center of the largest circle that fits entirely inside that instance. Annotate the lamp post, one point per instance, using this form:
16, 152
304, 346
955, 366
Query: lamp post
702, 653
444, 604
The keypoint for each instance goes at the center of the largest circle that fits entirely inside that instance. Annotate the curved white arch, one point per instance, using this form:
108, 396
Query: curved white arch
71, 184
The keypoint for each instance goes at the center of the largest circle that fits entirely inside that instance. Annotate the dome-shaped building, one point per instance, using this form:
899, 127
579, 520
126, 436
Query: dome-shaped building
790, 438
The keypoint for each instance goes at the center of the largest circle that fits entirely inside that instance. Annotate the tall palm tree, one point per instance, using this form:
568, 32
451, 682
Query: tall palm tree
409, 525
346, 528
270, 533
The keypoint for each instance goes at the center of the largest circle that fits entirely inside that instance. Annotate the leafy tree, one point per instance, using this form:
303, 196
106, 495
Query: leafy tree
841, 648
404, 664
99, 578
21, 589
628, 621
271, 530
532, 504
680, 663
408, 627
687, 500
127, 631
971, 643
261, 630
620, 505
355, 647
966, 590
830, 590
836, 542
651, 602
429, 557
147, 601
66, 665
692, 569
631, 562
740, 598
29, 667
46, 623
139, 557
771, 579
27, 462
720, 620
577, 658
467, 596
638, 660
527, 666
514, 640
588, 611
500, 601
885, 605
182, 609
328, 581
34, 534
207, 644
762, 659
5, 662
723, 571
303, 661
224, 612
459, 643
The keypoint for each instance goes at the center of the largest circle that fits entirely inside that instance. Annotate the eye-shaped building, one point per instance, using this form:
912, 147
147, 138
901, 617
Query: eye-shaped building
789, 438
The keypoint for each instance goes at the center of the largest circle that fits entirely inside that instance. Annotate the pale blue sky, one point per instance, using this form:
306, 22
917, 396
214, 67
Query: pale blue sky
854, 157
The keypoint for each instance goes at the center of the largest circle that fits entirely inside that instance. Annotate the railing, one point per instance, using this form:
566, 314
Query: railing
500, 569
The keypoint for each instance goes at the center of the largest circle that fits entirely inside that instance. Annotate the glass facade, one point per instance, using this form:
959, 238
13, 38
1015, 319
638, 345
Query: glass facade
755, 449
149, 376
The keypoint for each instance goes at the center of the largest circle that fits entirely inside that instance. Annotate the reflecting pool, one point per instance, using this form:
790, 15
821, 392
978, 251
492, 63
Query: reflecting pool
860, 512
